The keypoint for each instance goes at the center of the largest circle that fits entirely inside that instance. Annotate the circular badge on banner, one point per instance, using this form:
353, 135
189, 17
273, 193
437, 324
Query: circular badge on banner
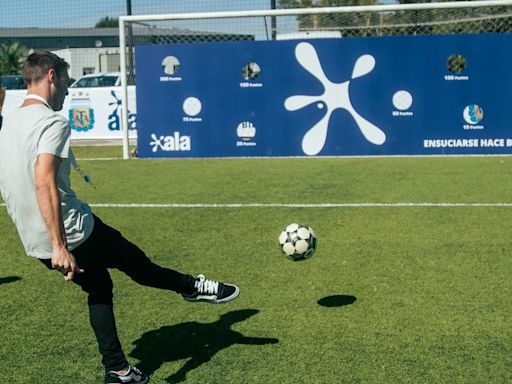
192, 106
251, 71
456, 64
473, 114
402, 100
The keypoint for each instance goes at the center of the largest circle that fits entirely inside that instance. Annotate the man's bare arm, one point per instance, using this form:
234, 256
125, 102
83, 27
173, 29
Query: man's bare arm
48, 199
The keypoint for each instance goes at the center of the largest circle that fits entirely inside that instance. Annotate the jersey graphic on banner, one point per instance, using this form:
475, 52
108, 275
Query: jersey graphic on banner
335, 96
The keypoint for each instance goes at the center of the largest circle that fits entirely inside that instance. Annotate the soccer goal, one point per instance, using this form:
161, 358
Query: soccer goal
441, 18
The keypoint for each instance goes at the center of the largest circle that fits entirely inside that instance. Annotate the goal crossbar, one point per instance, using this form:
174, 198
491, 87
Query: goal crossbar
305, 11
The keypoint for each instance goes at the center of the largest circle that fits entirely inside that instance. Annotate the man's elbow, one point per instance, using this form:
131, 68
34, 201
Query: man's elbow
42, 184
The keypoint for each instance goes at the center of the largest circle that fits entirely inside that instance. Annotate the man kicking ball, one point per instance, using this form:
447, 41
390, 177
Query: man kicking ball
60, 230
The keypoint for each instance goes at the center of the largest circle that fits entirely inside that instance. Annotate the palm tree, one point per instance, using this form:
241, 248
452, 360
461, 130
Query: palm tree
12, 58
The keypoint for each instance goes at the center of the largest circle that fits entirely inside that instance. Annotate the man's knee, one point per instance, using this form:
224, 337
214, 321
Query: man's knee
98, 285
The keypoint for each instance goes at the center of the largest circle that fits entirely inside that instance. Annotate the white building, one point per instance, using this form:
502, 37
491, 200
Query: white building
83, 61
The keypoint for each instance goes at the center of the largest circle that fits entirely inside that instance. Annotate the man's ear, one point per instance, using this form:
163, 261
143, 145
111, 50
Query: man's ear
52, 75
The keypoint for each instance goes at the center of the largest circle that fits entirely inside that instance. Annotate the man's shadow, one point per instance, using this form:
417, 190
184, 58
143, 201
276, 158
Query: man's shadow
197, 342
9, 279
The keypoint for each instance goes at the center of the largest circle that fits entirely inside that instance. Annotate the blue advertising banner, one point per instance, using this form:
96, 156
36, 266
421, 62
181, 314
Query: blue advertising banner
414, 95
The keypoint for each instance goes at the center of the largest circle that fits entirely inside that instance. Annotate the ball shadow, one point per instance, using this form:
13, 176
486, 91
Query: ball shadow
336, 301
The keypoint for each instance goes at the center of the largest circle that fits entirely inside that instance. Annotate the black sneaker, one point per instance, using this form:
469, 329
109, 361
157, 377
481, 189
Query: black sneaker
134, 375
212, 291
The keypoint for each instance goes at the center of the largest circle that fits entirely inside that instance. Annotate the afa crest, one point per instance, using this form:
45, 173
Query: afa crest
81, 114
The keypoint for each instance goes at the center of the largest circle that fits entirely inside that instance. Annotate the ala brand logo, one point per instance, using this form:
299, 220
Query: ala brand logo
335, 96
176, 142
114, 119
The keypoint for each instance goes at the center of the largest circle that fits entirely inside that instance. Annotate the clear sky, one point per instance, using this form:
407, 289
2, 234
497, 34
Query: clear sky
80, 14
86, 13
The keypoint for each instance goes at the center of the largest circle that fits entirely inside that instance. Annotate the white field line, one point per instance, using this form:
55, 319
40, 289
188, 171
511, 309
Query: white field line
284, 205
292, 205
319, 205
376, 157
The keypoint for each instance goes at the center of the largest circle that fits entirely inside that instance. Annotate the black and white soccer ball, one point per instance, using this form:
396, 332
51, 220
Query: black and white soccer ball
298, 242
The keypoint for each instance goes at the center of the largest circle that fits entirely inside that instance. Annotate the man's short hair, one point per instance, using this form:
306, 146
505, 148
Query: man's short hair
2, 97
39, 63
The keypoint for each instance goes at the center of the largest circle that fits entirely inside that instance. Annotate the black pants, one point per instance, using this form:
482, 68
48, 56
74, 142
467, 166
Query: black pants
107, 248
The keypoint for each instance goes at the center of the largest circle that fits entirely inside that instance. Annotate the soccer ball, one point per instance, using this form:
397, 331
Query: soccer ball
297, 242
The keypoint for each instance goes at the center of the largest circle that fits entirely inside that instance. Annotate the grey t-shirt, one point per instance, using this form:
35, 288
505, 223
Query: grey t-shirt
26, 133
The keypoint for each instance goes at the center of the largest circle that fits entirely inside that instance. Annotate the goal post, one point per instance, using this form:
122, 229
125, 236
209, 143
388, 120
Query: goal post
453, 17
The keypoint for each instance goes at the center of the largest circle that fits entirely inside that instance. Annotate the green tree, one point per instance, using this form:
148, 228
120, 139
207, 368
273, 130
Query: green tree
421, 22
456, 21
12, 58
352, 24
107, 22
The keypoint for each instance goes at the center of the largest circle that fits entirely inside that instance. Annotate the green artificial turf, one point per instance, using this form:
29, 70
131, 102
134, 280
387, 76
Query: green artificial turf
394, 294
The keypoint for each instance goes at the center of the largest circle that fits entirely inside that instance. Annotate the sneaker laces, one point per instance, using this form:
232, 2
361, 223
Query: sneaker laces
205, 285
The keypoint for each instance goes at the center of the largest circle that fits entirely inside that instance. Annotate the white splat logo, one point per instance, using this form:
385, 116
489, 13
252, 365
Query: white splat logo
335, 96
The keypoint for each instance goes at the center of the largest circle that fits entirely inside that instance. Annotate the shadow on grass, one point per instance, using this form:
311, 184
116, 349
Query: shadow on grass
336, 301
9, 279
197, 342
